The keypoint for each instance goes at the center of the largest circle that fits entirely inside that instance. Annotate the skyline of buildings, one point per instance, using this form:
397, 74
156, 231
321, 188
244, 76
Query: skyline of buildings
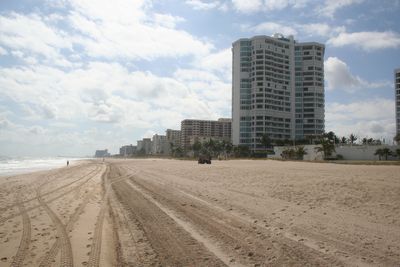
192, 131
277, 89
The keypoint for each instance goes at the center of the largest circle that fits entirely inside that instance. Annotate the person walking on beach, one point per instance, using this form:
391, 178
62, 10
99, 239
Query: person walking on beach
67, 162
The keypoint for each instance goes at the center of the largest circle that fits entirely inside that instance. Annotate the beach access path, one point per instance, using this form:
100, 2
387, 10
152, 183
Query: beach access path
159, 212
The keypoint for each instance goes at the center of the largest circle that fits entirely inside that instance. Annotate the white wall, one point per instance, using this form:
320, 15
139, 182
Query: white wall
310, 149
357, 152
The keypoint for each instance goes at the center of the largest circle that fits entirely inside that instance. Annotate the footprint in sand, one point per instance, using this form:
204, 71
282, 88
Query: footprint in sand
4, 259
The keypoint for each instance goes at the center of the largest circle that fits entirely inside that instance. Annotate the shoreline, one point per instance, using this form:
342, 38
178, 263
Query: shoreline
30, 165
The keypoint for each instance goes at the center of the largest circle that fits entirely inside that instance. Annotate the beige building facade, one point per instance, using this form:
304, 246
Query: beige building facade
201, 130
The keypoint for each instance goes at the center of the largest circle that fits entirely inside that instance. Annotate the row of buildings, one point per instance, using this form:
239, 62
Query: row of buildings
277, 90
191, 131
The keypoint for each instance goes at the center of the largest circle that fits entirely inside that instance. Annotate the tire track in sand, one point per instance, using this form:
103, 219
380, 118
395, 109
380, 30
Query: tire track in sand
170, 238
25, 238
65, 243
69, 226
94, 258
56, 197
52, 253
47, 177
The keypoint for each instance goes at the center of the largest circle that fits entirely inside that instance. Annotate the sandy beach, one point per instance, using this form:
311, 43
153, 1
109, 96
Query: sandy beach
156, 212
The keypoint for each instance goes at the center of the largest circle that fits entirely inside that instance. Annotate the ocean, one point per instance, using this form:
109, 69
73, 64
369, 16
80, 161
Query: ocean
18, 165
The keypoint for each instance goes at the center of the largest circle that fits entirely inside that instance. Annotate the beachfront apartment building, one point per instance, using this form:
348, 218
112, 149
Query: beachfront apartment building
277, 90
147, 145
159, 144
102, 153
173, 137
127, 150
397, 98
203, 130
144, 146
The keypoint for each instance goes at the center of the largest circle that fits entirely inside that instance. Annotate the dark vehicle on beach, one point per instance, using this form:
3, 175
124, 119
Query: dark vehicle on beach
204, 159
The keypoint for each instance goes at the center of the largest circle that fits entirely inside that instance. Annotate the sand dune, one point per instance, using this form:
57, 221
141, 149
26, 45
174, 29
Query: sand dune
178, 213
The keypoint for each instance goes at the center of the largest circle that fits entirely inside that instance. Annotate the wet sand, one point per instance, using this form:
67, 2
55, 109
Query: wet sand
155, 212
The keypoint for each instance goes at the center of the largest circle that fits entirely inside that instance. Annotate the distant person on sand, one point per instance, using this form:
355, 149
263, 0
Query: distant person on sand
67, 162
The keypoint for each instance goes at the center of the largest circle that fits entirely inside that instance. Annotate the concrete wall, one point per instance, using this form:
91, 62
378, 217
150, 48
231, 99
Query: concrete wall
355, 152
358, 152
310, 149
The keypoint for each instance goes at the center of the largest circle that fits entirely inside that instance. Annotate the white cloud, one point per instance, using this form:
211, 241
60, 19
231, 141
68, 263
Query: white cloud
367, 41
330, 7
271, 28
29, 34
129, 98
320, 29
219, 63
247, 6
131, 101
202, 5
250, 6
134, 34
339, 76
3, 52
296, 29
4, 122
370, 118
167, 20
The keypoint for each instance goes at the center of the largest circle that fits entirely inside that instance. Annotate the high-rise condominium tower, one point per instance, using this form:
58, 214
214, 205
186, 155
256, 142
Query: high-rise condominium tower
277, 90
397, 95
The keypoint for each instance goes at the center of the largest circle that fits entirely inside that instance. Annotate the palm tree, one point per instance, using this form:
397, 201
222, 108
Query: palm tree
288, 153
386, 152
330, 135
171, 148
241, 151
364, 141
196, 147
352, 138
300, 152
211, 147
327, 147
379, 153
219, 148
226, 148
178, 152
343, 140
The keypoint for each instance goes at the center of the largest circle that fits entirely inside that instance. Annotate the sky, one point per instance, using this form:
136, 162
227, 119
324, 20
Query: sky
81, 75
